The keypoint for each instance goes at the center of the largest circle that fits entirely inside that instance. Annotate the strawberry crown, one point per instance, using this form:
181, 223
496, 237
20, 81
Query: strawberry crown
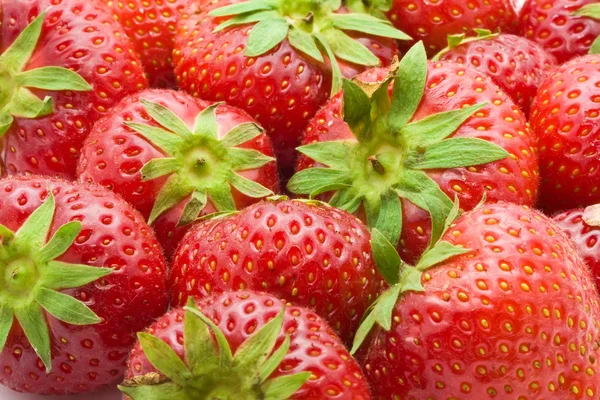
455, 41
390, 156
198, 163
310, 26
16, 98
591, 11
33, 278
210, 370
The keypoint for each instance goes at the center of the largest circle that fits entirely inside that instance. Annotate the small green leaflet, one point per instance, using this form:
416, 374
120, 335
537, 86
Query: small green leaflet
346, 48
386, 257
389, 221
265, 35
589, 11
460, 152
304, 42
366, 23
357, 111
595, 49
438, 254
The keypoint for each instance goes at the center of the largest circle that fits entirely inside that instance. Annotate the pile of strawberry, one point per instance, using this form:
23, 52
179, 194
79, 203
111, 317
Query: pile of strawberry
300, 199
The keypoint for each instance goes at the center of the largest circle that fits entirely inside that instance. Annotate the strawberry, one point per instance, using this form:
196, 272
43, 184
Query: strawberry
151, 25
64, 63
81, 273
582, 226
308, 253
516, 64
245, 345
502, 307
175, 158
277, 60
433, 21
564, 116
565, 28
448, 132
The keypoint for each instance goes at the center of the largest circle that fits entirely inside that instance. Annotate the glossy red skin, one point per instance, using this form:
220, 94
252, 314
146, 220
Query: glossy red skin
151, 25
550, 23
50, 145
314, 347
323, 254
565, 117
584, 237
517, 65
89, 357
281, 89
113, 156
494, 323
432, 21
513, 179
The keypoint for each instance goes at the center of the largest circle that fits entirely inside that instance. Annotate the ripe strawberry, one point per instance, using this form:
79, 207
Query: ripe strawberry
309, 362
582, 227
378, 152
81, 63
564, 116
151, 25
565, 28
144, 150
81, 273
263, 57
501, 308
516, 64
311, 254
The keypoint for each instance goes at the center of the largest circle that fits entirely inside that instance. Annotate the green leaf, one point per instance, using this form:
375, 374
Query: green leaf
35, 229
27, 105
253, 353
6, 121
460, 152
60, 242
433, 129
453, 214
164, 359
348, 49
33, 322
166, 141
310, 180
386, 257
166, 117
336, 72
248, 187
221, 197
409, 86
455, 41
172, 192
329, 188
282, 387
60, 275
158, 167
334, 154
357, 110
438, 254
366, 23
245, 159
347, 199
595, 49
589, 11
5, 234
225, 355
6, 321
265, 35
206, 122
244, 19
275, 360
65, 308
389, 222
193, 208
241, 8
200, 350
163, 391
53, 78
410, 279
20, 51
305, 43
241, 134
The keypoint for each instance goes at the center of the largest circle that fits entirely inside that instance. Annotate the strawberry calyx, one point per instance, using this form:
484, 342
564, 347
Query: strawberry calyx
31, 279
455, 41
390, 156
313, 27
199, 163
591, 11
16, 98
210, 370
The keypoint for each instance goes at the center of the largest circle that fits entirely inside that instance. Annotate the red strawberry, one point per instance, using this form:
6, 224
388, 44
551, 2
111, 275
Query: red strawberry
501, 308
565, 28
144, 150
311, 254
151, 25
82, 63
263, 57
582, 226
516, 64
565, 117
309, 362
446, 134
82, 272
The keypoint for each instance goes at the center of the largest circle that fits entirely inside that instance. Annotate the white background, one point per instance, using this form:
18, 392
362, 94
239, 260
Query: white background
110, 394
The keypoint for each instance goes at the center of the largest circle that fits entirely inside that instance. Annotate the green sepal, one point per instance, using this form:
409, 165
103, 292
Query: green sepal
347, 199
60, 275
334, 154
242, 8
225, 355
248, 187
265, 35
253, 353
164, 359
346, 48
328, 188
282, 387
33, 322
200, 353
65, 308
6, 121
162, 391
271, 364
6, 321
35, 229
165, 117
52, 78
304, 42
244, 19
222, 198
164, 140
158, 167
245, 159
336, 72
206, 122
589, 11
5, 234
365, 23
310, 180
193, 208
169, 195
386, 257
357, 110
459, 152
15, 58
441, 252
594, 49
455, 41
60, 242
25, 104
241, 134
389, 220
